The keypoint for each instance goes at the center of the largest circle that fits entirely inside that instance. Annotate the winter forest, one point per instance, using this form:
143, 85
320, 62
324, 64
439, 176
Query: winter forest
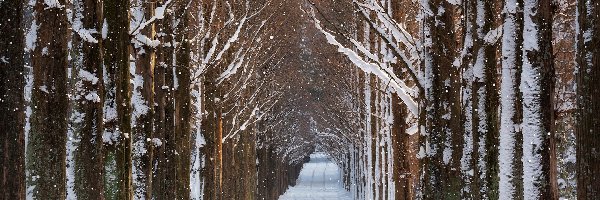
299, 99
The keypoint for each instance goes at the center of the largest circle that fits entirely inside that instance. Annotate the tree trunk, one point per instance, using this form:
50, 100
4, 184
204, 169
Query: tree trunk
442, 172
510, 148
491, 134
47, 141
183, 100
143, 109
116, 59
12, 119
89, 157
537, 83
588, 103
212, 130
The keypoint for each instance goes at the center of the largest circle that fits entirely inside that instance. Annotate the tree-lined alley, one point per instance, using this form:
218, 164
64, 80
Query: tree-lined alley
229, 99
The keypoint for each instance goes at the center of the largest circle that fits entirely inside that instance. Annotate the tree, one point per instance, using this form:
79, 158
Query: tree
116, 61
510, 150
12, 121
537, 87
89, 96
142, 99
183, 99
441, 176
588, 104
46, 149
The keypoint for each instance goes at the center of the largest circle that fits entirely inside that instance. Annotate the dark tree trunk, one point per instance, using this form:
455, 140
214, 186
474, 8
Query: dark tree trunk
543, 20
12, 119
163, 85
143, 130
89, 157
183, 100
116, 59
47, 141
588, 103
212, 130
442, 173
491, 133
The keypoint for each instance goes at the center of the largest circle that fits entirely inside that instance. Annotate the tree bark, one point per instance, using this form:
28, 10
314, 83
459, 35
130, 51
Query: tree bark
12, 119
510, 148
183, 100
588, 103
442, 166
143, 106
116, 59
47, 141
537, 83
89, 157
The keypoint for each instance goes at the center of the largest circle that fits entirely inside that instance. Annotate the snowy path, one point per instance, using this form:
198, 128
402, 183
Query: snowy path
319, 180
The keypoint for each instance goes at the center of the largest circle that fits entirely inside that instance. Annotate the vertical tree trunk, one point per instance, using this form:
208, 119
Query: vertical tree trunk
442, 172
169, 163
47, 141
212, 133
588, 103
481, 116
143, 109
537, 84
116, 60
12, 119
510, 148
89, 158
161, 88
489, 177
183, 100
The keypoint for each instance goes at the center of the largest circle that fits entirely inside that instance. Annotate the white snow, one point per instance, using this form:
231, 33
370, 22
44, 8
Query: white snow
507, 99
399, 87
88, 76
31, 37
159, 13
319, 179
157, 142
104, 29
533, 131
52, 4
493, 36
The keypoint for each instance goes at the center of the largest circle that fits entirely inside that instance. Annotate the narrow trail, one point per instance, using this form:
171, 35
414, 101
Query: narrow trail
318, 180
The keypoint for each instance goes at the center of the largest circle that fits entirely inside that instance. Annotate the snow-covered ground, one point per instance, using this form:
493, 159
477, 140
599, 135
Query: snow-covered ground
319, 180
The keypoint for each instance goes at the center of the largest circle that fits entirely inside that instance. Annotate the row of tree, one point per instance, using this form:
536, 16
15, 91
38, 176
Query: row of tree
468, 99
121, 99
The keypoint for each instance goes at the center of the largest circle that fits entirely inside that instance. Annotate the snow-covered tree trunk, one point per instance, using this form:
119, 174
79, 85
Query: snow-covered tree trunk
510, 150
479, 165
46, 159
470, 98
117, 61
12, 102
537, 86
88, 101
444, 127
588, 101
142, 100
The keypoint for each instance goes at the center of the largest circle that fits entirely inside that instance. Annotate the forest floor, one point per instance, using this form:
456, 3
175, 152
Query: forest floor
319, 179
